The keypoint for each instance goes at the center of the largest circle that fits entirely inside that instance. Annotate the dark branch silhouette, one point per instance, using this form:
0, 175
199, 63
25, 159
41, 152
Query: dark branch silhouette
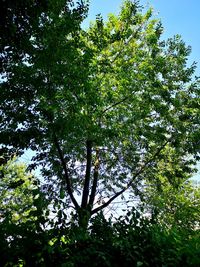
132, 180
87, 175
67, 178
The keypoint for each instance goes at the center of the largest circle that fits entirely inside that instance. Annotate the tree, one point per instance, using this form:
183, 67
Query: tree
23, 212
100, 105
172, 199
18, 193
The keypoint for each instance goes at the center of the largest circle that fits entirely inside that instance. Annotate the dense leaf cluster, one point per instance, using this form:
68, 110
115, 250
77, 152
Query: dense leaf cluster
130, 241
30, 237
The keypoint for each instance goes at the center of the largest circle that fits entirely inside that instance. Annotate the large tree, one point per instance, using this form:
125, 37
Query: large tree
99, 106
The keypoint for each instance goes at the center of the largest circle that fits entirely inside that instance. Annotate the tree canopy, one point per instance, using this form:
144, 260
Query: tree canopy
99, 106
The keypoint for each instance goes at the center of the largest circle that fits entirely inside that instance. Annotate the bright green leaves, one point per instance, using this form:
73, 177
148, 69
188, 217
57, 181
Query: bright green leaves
171, 194
175, 206
19, 193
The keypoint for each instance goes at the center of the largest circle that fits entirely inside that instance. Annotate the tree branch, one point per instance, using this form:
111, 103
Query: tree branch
115, 104
132, 180
87, 175
132, 36
95, 180
67, 179
126, 42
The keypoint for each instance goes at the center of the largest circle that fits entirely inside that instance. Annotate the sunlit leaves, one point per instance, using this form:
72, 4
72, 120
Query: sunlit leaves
19, 193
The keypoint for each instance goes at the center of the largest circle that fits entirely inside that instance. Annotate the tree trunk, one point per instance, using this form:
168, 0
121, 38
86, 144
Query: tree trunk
84, 216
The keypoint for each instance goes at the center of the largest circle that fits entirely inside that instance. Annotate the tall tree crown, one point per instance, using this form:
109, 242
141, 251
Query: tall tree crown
100, 105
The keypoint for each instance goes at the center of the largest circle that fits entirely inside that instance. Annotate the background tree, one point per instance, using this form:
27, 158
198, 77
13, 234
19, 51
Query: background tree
19, 191
172, 198
23, 212
100, 105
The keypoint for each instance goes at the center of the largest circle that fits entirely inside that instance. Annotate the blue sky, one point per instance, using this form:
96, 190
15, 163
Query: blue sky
177, 16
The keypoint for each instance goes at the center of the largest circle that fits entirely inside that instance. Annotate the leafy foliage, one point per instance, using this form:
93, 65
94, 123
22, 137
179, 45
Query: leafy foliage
174, 207
130, 241
169, 194
22, 210
108, 109
100, 105
136, 239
